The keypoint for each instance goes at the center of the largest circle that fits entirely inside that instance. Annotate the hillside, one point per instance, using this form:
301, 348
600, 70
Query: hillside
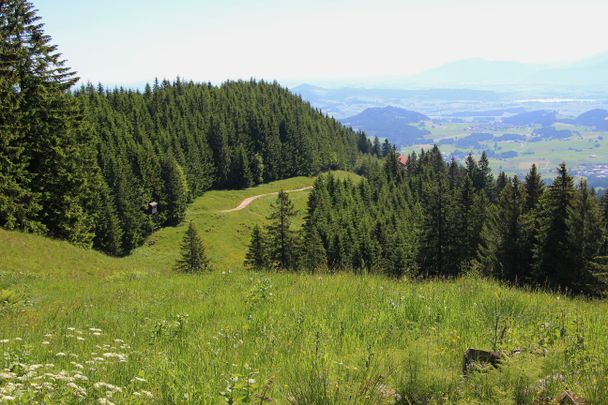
397, 124
309, 338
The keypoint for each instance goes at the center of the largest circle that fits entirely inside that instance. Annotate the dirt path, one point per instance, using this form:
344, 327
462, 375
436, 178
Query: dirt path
249, 200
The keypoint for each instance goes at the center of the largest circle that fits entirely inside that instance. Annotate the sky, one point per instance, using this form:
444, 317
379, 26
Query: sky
317, 41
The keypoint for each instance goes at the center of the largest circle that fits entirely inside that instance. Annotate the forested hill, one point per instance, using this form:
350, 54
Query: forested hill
232, 136
426, 217
85, 166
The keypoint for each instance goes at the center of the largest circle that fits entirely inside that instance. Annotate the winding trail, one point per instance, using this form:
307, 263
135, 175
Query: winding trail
249, 200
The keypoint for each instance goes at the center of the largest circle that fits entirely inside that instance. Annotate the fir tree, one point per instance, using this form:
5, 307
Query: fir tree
193, 257
19, 207
555, 261
313, 256
240, 172
54, 146
257, 257
585, 227
534, 188
281, 238
502, 248
176, 191
376, 147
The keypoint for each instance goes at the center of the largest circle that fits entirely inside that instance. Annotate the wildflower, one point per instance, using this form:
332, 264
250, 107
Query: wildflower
18, 339
48, 335
60, 354
251, 381
139, 379
71, 329
4, 341
148, 394
46, 342
7, 376
105, 401
79, 338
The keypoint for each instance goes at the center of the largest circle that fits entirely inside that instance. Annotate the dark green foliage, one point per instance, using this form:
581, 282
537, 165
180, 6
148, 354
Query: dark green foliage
555, 259
313, 256
534, 188
177, 194
232, 136
49, 176
585, 227
432, 218
502, 251
282, 248
193, 257
257, 256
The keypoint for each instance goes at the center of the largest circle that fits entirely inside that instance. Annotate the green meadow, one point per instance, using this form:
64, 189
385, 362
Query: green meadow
77, 326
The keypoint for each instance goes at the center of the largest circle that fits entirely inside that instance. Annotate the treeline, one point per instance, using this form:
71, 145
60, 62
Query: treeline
85, 166
435, 218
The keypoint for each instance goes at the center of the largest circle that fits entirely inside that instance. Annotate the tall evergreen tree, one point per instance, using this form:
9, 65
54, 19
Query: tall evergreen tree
314, 256
534, 188
501, 251
19, 207
281, 237
193, 257
555, 261
176, 191
585, 227
54, 147
257, 256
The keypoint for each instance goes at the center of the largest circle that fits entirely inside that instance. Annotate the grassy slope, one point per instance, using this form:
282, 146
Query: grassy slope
288, 332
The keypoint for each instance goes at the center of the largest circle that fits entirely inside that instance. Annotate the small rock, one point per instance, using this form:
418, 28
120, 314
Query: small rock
482, 357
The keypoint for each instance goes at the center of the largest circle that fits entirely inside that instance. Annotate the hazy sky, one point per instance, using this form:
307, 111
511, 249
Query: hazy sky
129, 41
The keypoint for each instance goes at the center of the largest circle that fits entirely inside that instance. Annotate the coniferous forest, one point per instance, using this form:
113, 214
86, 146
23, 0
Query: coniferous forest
85, 165
429, 217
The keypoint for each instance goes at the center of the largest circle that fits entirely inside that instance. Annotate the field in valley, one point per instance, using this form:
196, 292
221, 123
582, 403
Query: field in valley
580, 151
76, 325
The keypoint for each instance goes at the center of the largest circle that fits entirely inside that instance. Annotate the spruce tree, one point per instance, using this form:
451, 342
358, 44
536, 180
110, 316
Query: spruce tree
501, 251
585, 227
484, 179
257, 257
534, 188
19, 207
193, 257
176, 191
281, 238
313, 256
554, 254
54, 146
240, 172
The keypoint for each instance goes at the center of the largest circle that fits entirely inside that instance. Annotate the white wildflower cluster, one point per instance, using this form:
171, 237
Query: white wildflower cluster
75, 378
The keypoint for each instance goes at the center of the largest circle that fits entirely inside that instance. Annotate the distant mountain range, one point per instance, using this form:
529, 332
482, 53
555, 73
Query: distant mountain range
398, 124
590, 73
